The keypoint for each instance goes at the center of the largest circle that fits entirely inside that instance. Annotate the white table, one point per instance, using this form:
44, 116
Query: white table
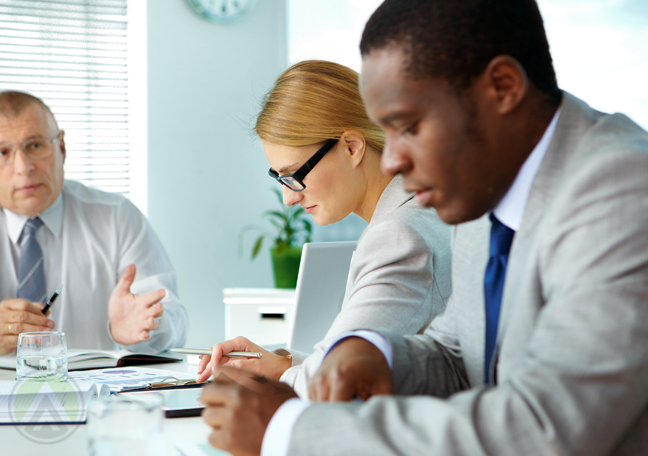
12, 442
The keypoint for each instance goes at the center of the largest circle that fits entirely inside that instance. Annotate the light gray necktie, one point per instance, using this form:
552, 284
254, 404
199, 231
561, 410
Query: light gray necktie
31, 275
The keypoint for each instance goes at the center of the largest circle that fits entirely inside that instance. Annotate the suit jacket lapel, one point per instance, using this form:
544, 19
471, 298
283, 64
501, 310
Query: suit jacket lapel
570, 129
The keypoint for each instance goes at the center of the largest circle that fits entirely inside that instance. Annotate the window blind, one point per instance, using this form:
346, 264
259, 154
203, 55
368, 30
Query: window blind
74, 55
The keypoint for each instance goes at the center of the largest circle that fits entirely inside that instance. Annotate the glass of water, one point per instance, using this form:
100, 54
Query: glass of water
42, 356
123, 427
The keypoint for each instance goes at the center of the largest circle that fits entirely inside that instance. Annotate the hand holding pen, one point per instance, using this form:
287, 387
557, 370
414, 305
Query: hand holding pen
268, 364
20, 315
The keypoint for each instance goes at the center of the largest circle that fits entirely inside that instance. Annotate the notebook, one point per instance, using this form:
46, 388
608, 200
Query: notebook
79, 359
31, 402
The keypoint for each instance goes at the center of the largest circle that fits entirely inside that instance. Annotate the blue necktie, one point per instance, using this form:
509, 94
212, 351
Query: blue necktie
31, 275
501, 237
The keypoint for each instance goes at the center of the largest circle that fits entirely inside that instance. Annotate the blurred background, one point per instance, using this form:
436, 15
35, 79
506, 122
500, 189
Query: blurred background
158, 103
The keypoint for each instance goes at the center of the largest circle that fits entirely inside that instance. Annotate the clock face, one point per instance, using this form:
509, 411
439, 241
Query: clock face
221, 10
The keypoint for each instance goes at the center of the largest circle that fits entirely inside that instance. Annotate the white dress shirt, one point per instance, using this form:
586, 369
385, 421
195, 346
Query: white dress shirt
509, 211
88, 238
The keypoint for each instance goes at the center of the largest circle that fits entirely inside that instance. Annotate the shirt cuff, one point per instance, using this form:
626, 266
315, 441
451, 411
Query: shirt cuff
276, 439
379, 341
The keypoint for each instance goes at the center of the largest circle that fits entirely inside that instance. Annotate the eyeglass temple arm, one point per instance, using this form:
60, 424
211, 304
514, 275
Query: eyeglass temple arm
314, 160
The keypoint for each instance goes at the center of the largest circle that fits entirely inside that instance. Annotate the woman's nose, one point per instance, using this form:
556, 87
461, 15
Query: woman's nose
290, 198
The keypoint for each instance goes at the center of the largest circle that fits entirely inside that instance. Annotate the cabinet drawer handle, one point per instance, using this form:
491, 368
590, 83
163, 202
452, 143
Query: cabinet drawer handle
275, 313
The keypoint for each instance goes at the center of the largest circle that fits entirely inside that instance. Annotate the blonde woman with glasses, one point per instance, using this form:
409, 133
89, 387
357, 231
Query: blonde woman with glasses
325, 152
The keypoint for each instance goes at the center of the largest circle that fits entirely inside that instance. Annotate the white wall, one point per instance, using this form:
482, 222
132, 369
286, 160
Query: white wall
206, 171
600, 52
598, 46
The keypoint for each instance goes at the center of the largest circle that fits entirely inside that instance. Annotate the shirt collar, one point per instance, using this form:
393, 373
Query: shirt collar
52, 218
510, 209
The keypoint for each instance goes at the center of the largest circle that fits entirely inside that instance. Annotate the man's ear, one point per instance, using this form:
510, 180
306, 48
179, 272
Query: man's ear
507, 83
355, 146
62, 144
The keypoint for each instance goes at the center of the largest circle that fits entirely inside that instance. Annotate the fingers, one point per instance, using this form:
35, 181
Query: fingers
341, 389
318, 389
237, 413
150, 299
213, 415
22, 305
225, 375
203, 372
8, 344
236, 344
214, 394
20, 315
126, 280
156, 310
16, 328
383, 387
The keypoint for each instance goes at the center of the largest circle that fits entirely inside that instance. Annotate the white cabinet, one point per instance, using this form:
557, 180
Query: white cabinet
263, 315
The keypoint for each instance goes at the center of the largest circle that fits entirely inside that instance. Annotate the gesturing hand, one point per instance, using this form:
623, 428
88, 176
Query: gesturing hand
354, 368
239, 406
269, 365
132, 316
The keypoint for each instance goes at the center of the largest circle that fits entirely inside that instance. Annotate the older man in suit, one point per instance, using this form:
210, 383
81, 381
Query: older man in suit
543, 347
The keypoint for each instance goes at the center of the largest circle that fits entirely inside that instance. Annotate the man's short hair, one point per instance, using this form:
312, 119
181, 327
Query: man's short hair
13, 102
456, 39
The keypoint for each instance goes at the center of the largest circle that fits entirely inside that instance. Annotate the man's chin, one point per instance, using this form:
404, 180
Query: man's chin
455, 214
30, 207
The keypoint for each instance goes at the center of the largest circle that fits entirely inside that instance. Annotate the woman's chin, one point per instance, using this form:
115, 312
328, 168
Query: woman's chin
326, 219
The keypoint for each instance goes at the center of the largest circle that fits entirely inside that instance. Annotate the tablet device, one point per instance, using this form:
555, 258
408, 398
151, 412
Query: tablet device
176, 403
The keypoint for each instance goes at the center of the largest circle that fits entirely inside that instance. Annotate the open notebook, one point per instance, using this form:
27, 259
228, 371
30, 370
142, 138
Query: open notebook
29, 402
96, 359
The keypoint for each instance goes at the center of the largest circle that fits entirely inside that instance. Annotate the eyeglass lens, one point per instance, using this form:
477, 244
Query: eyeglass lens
34, 148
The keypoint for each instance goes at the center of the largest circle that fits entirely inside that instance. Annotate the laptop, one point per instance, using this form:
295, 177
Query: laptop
321, 283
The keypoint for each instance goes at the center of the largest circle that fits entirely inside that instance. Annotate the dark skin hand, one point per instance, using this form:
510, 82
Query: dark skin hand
239, 406
354, 368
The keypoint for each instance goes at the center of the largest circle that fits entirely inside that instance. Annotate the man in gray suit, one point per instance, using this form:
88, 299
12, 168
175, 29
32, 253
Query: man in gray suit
543, 347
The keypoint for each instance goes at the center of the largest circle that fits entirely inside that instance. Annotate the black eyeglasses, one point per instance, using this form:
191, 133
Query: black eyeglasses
295, 181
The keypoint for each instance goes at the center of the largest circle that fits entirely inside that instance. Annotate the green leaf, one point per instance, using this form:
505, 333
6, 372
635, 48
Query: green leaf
298, 212
257, 247
289, 222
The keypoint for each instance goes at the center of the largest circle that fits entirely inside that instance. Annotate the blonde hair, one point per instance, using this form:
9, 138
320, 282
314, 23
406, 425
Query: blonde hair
313, 101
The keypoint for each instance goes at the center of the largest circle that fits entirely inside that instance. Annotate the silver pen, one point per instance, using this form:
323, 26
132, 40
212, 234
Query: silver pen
200, 351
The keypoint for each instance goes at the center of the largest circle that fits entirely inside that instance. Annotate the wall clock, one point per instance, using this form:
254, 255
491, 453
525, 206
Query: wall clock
221, 10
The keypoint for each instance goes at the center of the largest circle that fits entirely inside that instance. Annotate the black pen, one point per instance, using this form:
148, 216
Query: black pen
51, 300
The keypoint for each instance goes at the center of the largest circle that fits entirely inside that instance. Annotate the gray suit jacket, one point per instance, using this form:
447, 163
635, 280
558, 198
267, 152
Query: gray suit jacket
399, 277
573, 336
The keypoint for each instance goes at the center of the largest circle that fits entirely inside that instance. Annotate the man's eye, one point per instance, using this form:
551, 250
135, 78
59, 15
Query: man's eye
4, 152
411, 130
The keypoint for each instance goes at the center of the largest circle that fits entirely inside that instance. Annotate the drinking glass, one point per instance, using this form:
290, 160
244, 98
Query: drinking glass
42, 356
124, 427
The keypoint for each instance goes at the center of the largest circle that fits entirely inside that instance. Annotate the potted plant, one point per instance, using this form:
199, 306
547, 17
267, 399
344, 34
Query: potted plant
293, 230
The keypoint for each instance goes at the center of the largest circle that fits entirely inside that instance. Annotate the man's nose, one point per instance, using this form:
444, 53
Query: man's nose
395, 159
290, 198
22, 163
